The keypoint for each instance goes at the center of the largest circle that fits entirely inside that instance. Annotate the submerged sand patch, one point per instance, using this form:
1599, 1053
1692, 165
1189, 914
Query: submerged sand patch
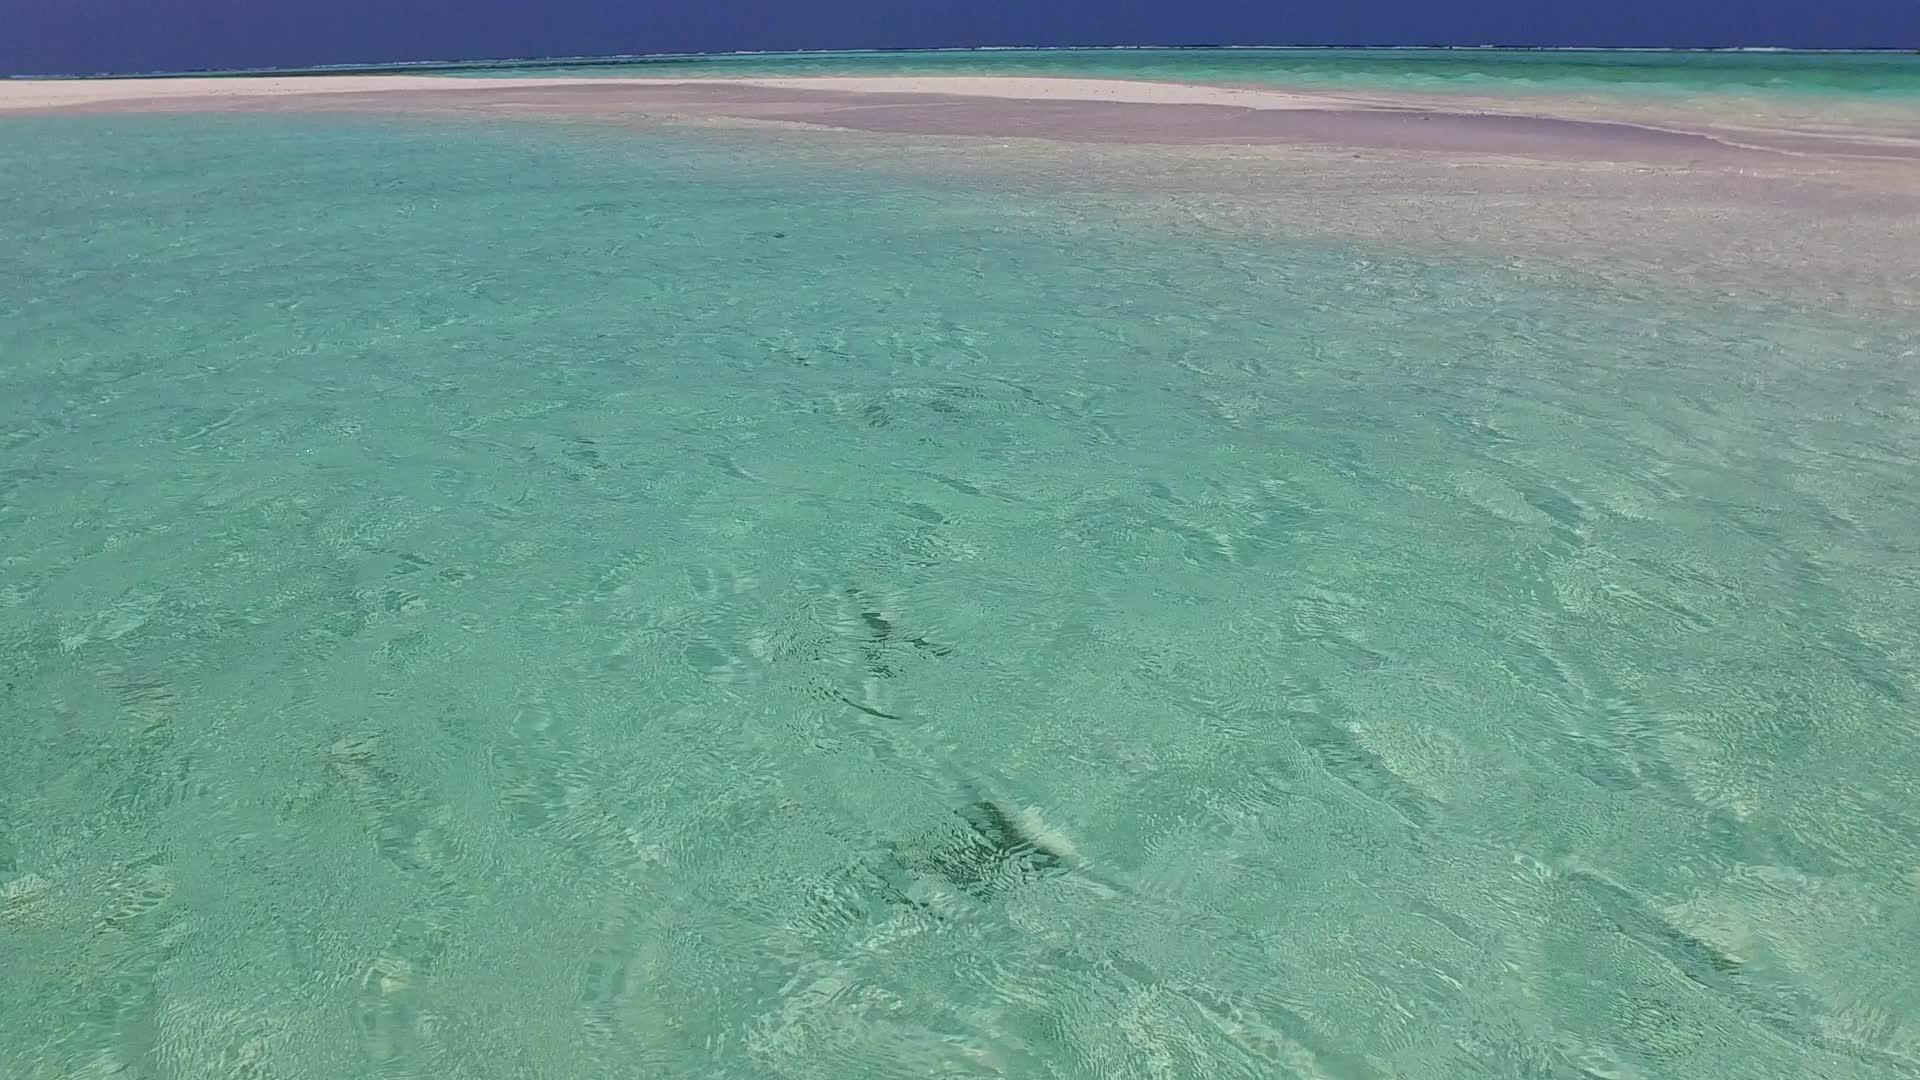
1064, 109
1823, 204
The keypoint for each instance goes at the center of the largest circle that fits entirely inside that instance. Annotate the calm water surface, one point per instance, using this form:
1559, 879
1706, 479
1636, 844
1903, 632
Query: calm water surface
507, 602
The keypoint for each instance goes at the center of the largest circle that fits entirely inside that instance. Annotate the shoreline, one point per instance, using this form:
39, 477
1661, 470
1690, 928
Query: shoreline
213, 92
1818, 209
1061, 109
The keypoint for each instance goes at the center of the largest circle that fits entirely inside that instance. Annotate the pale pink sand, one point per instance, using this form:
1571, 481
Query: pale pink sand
70, 93
1057, 109
1709, 193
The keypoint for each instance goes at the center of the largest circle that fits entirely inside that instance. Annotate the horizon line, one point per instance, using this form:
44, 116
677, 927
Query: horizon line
610, 59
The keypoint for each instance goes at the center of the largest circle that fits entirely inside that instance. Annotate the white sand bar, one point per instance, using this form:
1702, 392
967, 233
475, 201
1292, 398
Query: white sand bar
19, 94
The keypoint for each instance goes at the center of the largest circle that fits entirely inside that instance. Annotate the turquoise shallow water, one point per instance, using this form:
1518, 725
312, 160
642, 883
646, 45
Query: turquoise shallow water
1852, 76
511, 602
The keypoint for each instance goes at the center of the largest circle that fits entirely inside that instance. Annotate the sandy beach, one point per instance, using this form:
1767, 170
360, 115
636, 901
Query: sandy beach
205, 92
1823, 204
1060, 109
